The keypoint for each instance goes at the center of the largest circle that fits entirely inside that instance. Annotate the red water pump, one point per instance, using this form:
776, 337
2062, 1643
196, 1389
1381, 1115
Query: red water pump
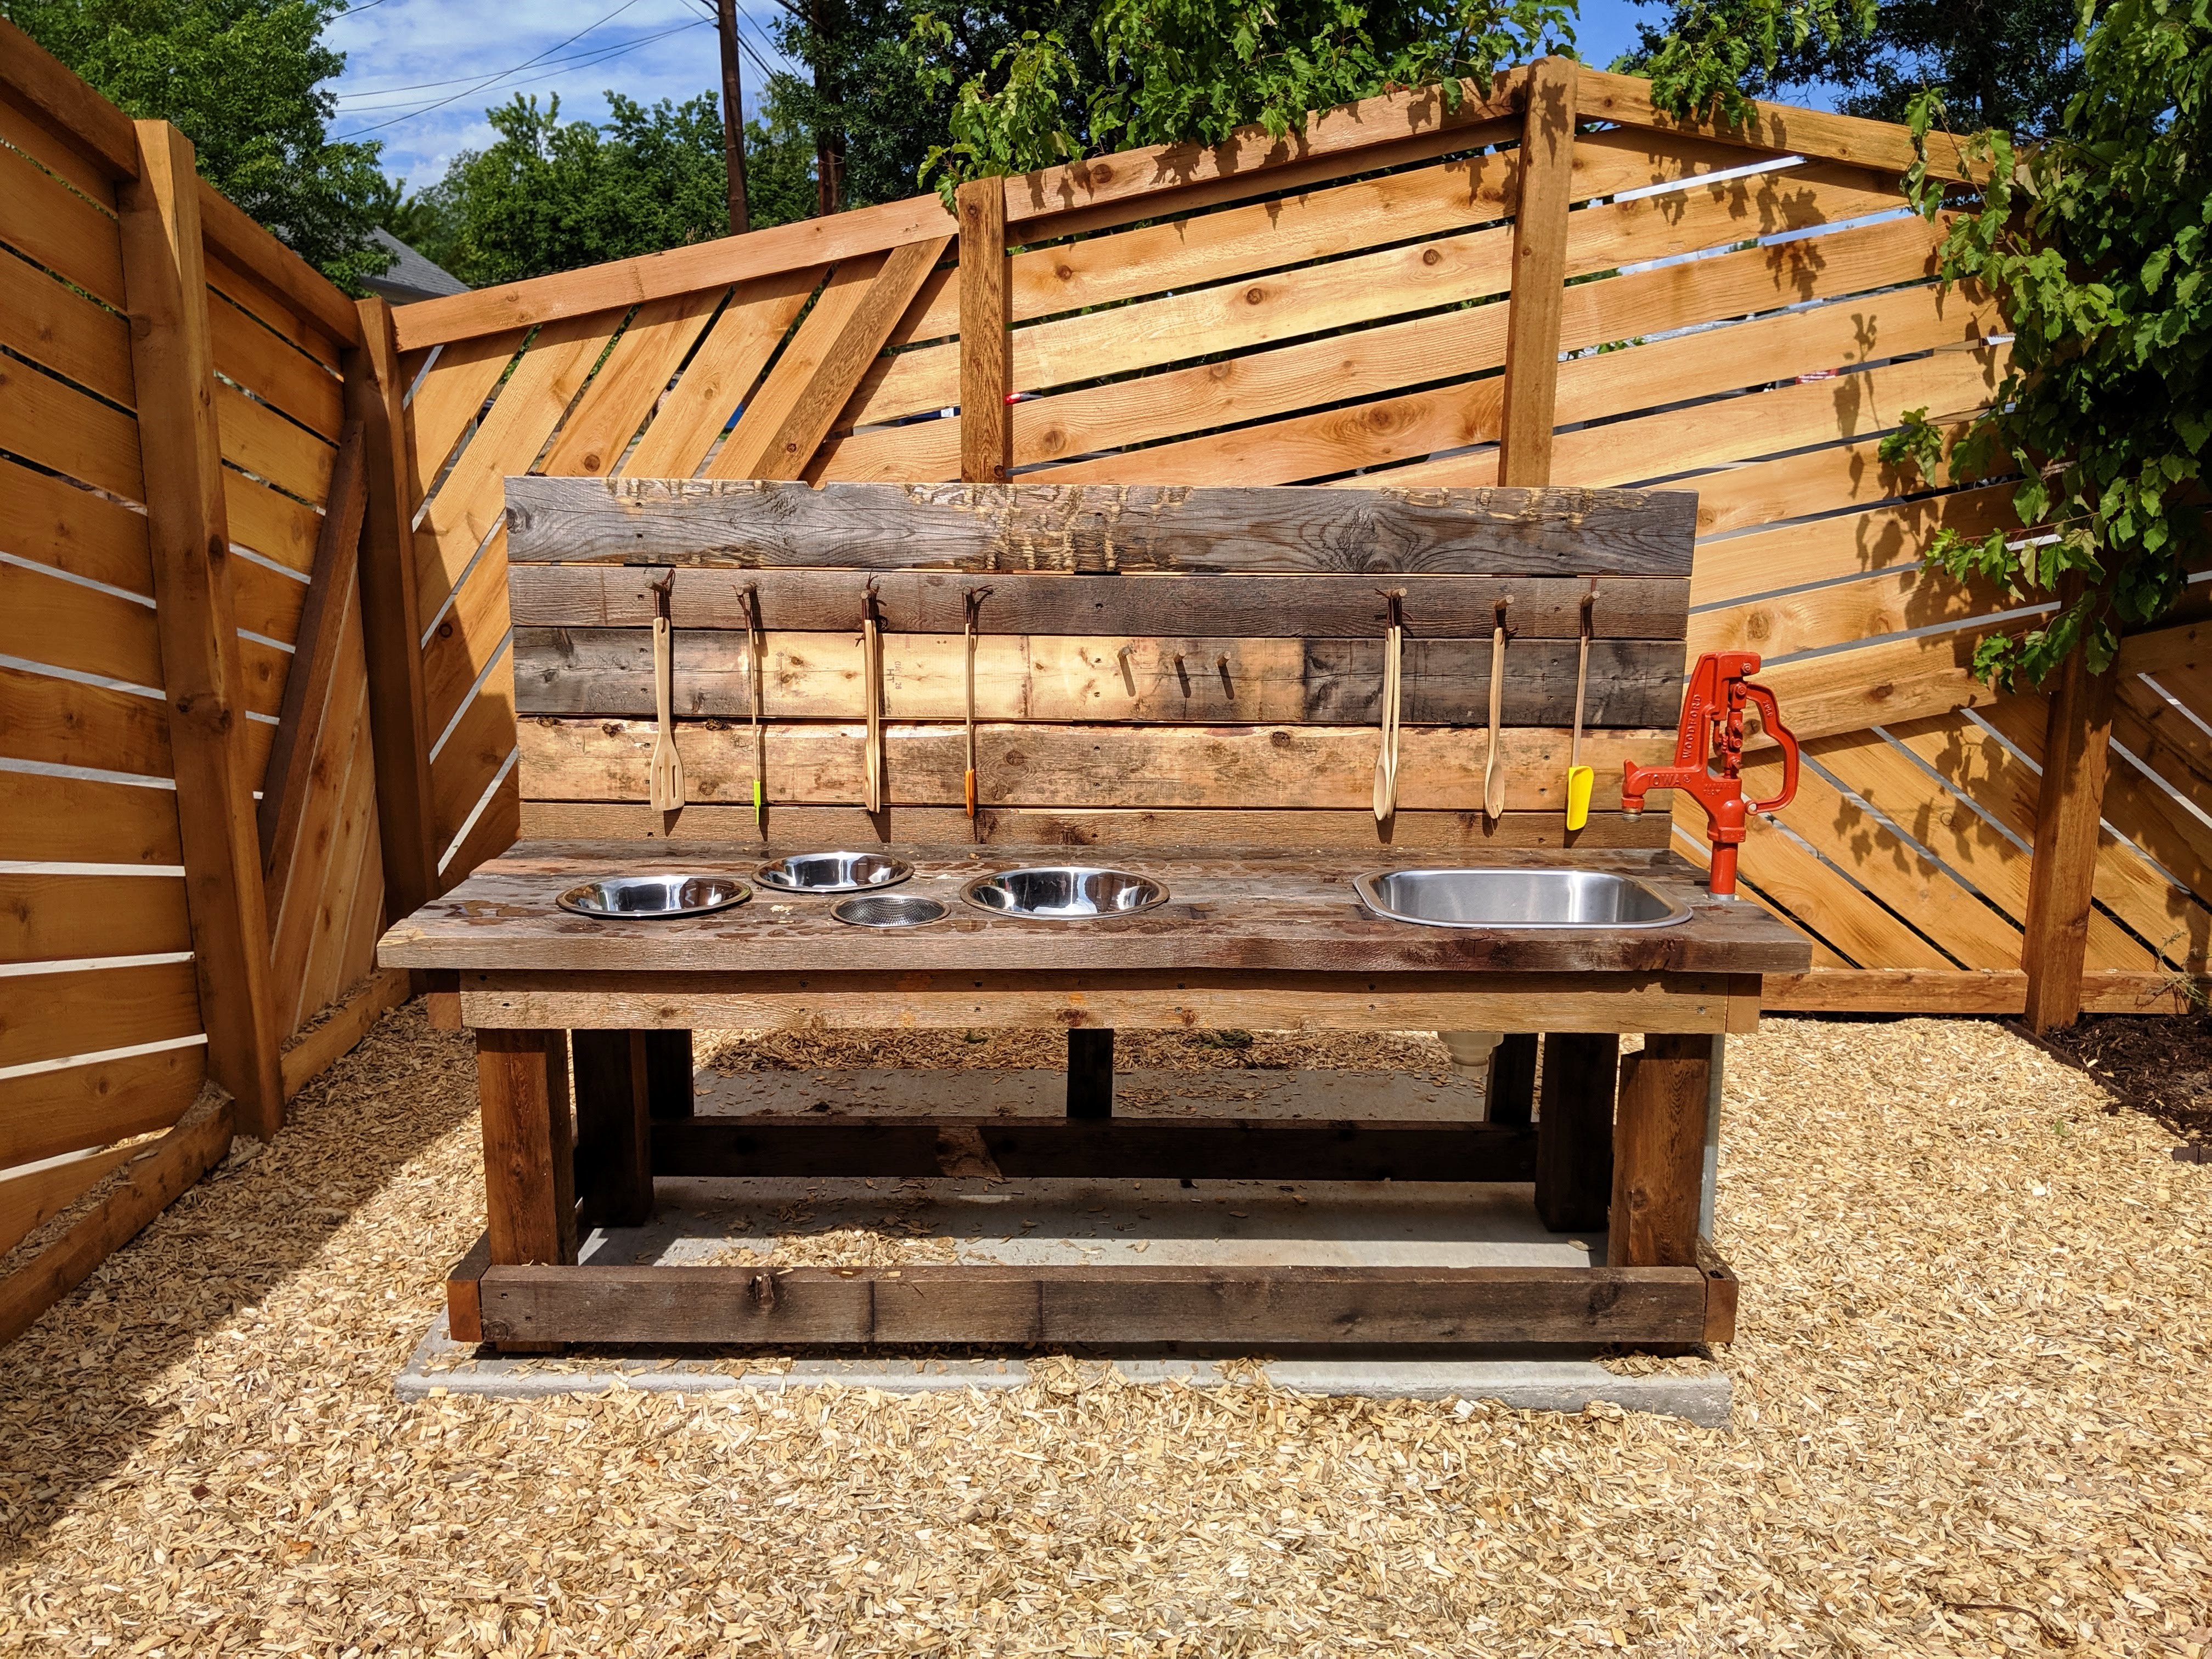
1713, 735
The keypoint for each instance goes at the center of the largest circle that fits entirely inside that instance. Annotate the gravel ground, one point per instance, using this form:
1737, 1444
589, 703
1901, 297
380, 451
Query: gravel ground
1974, 1417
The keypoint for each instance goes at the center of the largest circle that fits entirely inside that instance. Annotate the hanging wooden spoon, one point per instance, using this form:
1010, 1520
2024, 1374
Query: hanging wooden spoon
1494, 769
664, 776
1386, 760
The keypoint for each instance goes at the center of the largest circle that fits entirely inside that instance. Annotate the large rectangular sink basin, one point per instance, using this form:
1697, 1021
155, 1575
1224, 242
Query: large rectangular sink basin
1516, 898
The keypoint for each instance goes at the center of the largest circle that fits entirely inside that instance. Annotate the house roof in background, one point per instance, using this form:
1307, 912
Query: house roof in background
411, 276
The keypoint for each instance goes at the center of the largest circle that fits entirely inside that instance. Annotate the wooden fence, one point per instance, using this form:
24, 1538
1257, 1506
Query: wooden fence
229, 747
193, 863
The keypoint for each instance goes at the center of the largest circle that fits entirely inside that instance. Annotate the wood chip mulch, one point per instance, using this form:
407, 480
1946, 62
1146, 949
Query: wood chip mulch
1974, 1417
2161, 1065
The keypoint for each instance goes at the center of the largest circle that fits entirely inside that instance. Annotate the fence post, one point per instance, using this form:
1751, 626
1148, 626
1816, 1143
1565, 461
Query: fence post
987, 425
1540, 274
399, 722
2075, 745
173, 368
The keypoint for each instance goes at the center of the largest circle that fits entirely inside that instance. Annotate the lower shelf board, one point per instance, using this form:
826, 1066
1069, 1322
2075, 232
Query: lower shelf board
993, 1305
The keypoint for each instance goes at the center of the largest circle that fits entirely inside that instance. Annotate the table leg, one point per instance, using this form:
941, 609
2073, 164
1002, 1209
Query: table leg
668, 1072
529, 1176
1658, 1153
1090, 1073
1508, 1096
614, 1145
1574, 1132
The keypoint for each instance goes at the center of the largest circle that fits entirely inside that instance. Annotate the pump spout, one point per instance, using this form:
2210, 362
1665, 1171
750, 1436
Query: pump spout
1708, 764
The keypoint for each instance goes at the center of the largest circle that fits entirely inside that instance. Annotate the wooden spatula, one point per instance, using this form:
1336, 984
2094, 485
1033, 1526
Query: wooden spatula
663, 785
1386, 759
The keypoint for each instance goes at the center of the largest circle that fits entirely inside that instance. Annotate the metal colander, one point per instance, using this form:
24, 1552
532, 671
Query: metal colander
888, 910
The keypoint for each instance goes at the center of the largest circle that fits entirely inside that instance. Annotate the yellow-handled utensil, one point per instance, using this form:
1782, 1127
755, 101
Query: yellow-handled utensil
664, 773
1386, 759
1580, 777
1493, 767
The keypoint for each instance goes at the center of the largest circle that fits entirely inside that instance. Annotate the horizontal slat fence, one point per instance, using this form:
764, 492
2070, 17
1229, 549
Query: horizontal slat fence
171, 380
1733, 316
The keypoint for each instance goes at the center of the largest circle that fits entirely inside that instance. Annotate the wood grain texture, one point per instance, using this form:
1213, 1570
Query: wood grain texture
46, 520
1031, 526
57, 1016
309, 1057
986, 319
2075, 752
720, 378
44, 819
51, 917
522, 1085
1209, 681
1099, 1148
173, 364
54, 325
1245, 1307
614, 1157
1540, 271
1246, 606
1574, 1141
1659, 1141
54, 226
1255, 911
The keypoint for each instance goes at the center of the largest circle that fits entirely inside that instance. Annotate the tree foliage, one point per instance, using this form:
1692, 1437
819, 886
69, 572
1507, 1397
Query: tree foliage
2094, 242
1176, 71
243, 80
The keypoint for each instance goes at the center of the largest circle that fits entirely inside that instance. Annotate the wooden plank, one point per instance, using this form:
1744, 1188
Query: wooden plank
246, 244
1723, 1292
50, 225
64, 102
468, 638
391, 624
54, 325
1882, 684
45, 819
155, 1179
986, 319
465, 508
324, 625
616, 1156
325, 843
1539, 270
56, 524
308, 1057
464, 1302
1082, 827
267, 601
2067, 811
267, 366
1509, 1092
645, 356
1125, 527
1022, 602
64, 624
32, 1199
55, 147
1063, 765
1077, 1147
55, 425
1574, 1141
1897, 990
1849, 544
64, 918
720, 378
976, 1303
1825, 904
1750, 494
55, 1016
216, 775
522, 1083
1208, 680
2150, 723
492, 834
806, 243
452, 397
260, 300
1778, 128
473, 752
66, 723
1658, 1153
274, 525
669, 1076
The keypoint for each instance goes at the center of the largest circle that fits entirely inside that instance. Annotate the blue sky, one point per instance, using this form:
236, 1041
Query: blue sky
420, 74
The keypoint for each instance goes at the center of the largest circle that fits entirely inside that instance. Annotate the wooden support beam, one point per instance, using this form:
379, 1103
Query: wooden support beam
286, 779
2076, 747
1574, 1132
1247, 1307
1510, 1093
614, 1153
1091, 1073
858, 342
172, 366
986, 368
668, 1070
1078, 1148
307, 1058
375, 394
530, 1183
1658, 1153
1540, 274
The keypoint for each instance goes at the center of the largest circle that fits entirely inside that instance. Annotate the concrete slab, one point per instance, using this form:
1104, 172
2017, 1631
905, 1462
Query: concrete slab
441, 1366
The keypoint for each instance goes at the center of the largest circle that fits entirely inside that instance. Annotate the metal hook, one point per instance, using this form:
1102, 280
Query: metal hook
1589, 602
972, 599
663, 591
1504, 606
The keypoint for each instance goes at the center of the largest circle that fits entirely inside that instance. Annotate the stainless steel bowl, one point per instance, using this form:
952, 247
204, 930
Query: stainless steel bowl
888, 910
654, 898
1065, 892
1546, 899
833, 872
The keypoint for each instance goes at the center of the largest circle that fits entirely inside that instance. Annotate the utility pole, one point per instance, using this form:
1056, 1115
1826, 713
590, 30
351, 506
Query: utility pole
733, 113
828, 149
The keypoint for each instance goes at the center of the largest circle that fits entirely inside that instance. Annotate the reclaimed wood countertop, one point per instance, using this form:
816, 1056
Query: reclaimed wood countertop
1229, 909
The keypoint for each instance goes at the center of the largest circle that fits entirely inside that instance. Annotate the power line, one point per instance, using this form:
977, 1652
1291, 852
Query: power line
430, 86
489, 80
559, 66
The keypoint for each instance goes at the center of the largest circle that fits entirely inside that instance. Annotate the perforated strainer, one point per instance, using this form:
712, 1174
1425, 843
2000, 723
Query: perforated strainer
888, 910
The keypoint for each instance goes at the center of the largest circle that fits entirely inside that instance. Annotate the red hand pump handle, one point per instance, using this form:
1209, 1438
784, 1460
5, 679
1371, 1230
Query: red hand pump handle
1709, 756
